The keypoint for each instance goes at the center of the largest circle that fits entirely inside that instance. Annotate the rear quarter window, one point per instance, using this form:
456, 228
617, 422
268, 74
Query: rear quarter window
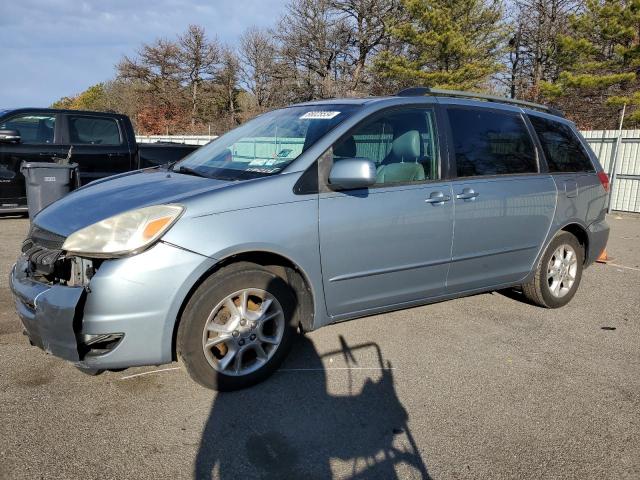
562, 148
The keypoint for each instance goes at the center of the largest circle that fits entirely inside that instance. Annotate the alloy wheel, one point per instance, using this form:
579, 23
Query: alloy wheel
562, 270
243, 332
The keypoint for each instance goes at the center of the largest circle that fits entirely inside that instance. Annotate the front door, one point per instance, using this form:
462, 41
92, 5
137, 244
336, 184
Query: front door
37, 144
504, 206
99, 147
388, 245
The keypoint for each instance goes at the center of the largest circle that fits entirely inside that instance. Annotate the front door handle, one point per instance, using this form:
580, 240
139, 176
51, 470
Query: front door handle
467, 194
438, 198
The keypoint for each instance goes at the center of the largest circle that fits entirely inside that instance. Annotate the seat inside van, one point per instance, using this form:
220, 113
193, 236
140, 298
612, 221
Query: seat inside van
401, 145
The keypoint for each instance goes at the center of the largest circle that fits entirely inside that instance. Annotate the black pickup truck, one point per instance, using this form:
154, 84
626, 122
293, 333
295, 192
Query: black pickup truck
103, 144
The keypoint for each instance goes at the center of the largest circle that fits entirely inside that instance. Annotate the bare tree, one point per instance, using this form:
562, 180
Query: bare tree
157, 77
313, 38
258, 67
368, 22
157, 67
198, 59
227, 84
533, 58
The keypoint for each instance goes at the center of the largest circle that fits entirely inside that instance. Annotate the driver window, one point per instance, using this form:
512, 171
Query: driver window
33, 129
401, 144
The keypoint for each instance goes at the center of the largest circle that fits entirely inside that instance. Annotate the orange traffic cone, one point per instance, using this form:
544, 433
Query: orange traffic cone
603, 258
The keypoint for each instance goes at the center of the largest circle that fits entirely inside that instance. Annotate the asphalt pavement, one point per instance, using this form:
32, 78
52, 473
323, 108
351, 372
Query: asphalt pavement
480, 387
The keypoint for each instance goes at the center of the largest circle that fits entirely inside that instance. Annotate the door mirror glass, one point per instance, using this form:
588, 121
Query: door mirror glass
351, 173
9, 136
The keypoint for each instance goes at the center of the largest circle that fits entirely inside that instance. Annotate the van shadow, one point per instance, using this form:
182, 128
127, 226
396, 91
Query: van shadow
290, 426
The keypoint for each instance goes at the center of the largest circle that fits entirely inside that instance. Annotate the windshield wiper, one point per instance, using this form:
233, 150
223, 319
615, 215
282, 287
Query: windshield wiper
190, 171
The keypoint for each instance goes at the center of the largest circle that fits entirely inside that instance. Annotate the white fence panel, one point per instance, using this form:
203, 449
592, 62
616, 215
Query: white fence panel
625, 194
187, 139
626, 189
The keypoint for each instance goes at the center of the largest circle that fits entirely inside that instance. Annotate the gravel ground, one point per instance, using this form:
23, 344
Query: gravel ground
480, 387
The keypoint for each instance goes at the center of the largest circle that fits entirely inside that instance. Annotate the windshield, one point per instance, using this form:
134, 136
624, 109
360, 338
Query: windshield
265, 145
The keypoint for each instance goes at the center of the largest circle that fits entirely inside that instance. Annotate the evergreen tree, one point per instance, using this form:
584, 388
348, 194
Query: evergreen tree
445, 43
600, 60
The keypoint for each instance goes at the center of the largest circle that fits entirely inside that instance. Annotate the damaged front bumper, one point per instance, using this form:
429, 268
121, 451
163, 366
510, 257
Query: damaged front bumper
124, 316
48, 312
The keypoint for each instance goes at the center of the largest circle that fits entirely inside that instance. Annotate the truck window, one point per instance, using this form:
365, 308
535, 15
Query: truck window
561, 147
34, 129
84, 130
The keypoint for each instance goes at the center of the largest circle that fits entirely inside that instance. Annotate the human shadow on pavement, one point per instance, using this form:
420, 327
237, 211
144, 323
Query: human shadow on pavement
291, 427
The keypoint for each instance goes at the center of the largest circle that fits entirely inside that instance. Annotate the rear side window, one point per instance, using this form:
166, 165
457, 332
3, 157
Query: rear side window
563, 150
34, 129
93, 131
487, 142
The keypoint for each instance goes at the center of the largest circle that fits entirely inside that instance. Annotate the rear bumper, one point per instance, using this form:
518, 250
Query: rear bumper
13, 204
598, 236
17, 209
138, 298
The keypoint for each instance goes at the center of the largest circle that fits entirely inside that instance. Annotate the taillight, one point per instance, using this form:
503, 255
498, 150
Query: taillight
604, 180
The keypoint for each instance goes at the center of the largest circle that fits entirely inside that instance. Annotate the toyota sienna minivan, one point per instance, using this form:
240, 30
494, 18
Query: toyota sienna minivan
309, 215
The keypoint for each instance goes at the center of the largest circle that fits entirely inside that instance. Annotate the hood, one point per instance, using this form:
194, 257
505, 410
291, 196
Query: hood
106, 198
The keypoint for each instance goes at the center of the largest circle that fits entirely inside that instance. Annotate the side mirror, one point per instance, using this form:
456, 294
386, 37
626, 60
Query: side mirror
352, 173
9, 136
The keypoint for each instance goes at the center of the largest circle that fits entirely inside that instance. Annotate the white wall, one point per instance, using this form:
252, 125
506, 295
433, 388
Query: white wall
625, 194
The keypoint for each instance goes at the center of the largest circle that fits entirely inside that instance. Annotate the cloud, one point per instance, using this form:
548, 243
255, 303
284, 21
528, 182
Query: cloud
55, 48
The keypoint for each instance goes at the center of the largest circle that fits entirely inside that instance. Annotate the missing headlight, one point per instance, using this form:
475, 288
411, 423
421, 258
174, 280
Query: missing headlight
82, 270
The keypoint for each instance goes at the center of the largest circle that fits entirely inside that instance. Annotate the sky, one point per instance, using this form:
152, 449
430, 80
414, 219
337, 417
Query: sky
56, 48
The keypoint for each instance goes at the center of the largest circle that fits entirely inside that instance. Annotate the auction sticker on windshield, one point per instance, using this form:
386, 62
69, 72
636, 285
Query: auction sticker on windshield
319, 115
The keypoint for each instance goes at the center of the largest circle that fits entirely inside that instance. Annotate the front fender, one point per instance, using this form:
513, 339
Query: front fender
289, 230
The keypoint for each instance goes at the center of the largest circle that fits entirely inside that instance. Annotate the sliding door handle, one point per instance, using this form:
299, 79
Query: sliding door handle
467, 194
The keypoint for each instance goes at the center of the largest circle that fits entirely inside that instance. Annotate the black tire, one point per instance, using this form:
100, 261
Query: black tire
538, 290
92, 372
211, 292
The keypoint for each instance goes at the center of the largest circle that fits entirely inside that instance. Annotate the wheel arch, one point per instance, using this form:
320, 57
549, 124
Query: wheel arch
580, 232
278, 264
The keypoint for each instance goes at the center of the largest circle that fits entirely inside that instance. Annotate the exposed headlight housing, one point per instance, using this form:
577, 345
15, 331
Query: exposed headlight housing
127, 233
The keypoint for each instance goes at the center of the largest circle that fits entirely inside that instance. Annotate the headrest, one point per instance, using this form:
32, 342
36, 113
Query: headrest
407, 146
346, 148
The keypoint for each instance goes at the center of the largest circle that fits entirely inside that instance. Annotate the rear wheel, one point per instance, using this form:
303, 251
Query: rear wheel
237, 327
558, 273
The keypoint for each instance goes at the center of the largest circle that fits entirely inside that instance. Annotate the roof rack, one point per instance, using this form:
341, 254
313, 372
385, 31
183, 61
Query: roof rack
420, 91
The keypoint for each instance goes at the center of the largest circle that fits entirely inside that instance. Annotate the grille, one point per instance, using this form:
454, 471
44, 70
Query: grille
46, 239
43, 249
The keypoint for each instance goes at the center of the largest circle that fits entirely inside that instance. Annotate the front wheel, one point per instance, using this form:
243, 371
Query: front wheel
558, 273
237, 327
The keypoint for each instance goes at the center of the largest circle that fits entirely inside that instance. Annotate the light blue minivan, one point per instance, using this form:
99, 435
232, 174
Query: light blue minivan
309, 215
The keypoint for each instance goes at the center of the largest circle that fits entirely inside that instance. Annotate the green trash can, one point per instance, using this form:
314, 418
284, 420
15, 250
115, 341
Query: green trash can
47, 182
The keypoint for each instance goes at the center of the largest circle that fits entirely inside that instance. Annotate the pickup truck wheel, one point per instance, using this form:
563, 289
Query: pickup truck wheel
558, 273
236, 328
